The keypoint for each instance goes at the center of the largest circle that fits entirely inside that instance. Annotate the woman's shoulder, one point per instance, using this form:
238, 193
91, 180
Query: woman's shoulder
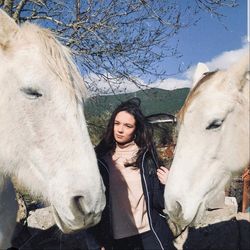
103, 160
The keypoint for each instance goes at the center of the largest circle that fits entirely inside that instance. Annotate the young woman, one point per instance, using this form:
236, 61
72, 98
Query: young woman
133, 218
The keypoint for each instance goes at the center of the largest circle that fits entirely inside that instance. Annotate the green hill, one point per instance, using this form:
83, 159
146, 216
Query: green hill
153, 101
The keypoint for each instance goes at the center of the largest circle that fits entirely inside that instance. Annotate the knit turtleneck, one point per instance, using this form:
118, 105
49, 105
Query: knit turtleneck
125, 154
129, 214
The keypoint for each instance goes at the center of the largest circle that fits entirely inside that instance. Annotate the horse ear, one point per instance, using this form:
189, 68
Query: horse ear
8, 29
240, 71
200, 70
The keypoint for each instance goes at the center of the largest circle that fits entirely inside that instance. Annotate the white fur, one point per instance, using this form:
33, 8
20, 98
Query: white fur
44, 140
205, 158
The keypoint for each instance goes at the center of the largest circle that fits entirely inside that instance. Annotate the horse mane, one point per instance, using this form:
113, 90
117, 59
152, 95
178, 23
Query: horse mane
57, 56
192, 94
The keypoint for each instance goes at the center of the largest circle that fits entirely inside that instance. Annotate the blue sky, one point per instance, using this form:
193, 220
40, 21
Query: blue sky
216, 43
210, 37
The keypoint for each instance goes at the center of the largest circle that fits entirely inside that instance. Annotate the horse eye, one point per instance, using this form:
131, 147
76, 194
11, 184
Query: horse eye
31, 93
215, 124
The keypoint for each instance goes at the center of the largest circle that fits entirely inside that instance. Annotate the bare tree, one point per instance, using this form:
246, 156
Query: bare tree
116, 39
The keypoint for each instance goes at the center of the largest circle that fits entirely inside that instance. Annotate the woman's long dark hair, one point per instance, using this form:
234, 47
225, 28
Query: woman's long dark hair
143, 132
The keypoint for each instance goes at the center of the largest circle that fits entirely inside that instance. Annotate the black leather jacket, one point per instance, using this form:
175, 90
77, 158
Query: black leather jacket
153, 191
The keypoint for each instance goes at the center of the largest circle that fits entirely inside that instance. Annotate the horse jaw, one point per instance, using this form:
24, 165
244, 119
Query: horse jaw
83, 202
187, 203
77, 197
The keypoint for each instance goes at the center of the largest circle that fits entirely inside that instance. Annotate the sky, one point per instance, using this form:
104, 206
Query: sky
216, 43
211, 37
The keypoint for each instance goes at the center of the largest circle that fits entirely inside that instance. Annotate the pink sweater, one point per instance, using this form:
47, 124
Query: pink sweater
128, 206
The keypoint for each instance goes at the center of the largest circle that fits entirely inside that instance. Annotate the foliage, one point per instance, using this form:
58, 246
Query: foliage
96, 126
163, 133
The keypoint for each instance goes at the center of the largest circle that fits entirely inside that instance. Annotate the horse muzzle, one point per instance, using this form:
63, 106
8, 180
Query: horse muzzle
184, 216
78, 215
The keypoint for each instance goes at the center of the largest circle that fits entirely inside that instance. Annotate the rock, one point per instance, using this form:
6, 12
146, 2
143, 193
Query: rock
223, 213
41, 218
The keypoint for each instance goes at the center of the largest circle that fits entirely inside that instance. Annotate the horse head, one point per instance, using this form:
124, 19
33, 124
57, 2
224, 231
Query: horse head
213, 141
44, 137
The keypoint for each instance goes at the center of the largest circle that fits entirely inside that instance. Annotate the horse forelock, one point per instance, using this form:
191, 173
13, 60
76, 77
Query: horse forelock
57, 56
193, 94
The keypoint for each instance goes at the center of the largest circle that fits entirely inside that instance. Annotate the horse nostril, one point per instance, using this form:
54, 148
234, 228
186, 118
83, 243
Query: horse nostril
78, 202
176, 210
178, 207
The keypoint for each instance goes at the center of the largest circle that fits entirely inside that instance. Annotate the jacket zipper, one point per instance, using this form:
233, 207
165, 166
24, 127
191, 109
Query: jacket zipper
147, 200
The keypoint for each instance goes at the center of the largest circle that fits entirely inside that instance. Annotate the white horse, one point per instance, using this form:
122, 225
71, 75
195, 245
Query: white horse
213, 141
44, 140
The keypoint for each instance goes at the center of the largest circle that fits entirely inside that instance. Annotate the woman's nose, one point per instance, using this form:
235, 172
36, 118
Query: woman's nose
120, 129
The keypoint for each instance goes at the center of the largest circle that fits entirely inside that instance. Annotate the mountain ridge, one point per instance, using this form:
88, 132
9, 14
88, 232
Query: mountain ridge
153, 101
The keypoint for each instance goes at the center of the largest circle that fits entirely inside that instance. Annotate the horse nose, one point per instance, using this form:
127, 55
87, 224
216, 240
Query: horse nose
83, 206
175, 211
92, 214
87, 206
182, 214
178, 208
78, 202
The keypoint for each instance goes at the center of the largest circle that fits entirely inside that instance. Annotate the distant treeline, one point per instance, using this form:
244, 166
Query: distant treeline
98, 109
153, 101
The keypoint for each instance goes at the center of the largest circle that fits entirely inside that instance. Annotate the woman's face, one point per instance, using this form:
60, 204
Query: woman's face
124, 127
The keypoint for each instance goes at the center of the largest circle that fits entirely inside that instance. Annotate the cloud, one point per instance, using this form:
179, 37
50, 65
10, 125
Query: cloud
225, 59
222, 61
170, 84
100, 86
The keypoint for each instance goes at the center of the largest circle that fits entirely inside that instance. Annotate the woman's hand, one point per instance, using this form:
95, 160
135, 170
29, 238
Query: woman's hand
162, 173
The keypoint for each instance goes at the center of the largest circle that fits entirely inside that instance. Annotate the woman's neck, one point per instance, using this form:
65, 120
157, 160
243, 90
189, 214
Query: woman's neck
125, 145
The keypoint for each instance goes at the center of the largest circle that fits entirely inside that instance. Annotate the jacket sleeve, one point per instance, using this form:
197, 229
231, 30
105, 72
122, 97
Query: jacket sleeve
156, 188
158, 194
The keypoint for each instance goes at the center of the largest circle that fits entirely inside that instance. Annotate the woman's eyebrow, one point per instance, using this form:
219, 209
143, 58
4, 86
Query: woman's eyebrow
130, 124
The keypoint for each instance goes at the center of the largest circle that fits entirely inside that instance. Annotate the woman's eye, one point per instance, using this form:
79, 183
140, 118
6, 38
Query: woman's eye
215, 124
31, 93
